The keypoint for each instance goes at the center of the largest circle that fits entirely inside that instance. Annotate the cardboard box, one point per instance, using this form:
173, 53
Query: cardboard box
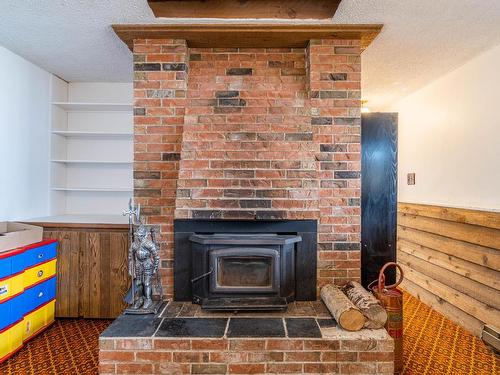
14, 235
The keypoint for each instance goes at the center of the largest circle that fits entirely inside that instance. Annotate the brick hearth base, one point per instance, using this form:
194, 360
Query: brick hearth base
185, 340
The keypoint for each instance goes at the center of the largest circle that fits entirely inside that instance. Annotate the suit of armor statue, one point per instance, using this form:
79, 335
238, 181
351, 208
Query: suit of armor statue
143, 265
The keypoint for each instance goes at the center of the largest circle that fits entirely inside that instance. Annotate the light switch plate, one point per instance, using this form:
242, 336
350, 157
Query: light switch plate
410, 178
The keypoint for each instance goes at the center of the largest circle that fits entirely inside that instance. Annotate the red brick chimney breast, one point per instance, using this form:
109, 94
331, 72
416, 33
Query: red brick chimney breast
251, 134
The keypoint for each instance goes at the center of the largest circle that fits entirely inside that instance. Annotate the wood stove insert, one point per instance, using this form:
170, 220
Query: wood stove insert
245, 264
243, 271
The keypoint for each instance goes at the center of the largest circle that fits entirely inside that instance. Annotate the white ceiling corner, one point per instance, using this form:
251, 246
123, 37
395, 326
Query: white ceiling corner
421, 39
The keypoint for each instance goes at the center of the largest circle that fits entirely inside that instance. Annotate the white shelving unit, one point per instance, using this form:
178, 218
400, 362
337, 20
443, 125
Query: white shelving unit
91, 161
91, 148
107, 190
94, 107
95, 134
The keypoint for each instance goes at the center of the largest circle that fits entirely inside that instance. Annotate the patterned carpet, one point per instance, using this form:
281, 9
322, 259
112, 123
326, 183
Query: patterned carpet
69, 346
432, 345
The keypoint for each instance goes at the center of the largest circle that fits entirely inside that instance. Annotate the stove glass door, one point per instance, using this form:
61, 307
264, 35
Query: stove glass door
244, 270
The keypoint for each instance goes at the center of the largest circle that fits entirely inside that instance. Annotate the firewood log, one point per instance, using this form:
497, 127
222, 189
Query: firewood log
343, 310
375, 314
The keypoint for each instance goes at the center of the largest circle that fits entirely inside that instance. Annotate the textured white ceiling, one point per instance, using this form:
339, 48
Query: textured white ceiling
421, 39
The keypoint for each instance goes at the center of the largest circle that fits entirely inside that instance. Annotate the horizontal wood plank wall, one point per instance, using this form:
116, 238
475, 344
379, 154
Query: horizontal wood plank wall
451, 259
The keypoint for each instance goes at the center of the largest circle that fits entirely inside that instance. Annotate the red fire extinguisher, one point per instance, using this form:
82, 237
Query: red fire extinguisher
391, 299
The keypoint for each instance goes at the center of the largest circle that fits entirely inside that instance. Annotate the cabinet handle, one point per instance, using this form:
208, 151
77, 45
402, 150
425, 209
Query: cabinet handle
40, 256
40, 273
40, 294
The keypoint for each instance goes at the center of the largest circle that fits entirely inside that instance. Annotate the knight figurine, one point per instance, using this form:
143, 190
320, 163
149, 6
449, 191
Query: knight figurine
143, 262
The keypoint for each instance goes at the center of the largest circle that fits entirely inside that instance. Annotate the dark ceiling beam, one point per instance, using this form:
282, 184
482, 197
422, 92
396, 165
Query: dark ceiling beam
273, 9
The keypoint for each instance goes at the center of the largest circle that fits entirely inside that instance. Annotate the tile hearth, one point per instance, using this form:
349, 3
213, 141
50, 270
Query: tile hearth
183, 319
295, 309
183, 339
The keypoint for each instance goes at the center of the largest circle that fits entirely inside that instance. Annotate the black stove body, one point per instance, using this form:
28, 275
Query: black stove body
243, 271
245, 265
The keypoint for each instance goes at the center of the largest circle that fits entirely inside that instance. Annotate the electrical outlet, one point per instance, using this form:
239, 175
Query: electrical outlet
410, 178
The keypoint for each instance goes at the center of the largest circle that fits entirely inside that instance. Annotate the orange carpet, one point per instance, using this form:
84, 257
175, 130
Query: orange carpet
433, 345
69, 346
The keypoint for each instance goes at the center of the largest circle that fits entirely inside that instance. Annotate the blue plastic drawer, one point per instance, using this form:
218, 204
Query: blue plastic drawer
5, 267
34, 255
11, 311
37, 295
15, 308
6, 318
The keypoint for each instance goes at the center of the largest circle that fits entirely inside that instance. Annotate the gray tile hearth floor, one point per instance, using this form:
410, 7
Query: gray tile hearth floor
305, 309
183, 319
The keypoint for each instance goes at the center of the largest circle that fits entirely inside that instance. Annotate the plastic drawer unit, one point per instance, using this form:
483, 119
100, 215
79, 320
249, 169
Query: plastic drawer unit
27, 294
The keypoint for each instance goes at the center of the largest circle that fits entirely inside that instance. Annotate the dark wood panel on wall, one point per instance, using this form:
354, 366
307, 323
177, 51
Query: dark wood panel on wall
378, 194
451, 260
280, 9
91, 271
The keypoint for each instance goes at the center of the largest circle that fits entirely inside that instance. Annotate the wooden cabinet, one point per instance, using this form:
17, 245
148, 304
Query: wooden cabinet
92, 275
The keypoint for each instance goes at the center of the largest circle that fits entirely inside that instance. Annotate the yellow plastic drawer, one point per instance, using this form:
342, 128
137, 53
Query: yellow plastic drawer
11, 286
38, 273
11, 339
38, 319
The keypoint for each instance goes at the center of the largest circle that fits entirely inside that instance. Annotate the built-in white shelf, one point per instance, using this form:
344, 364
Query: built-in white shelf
89, 134
114, 190
92, 161
80, 219
94, 107
91, 148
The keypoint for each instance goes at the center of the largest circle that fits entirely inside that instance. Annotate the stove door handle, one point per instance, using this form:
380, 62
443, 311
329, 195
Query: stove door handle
197, 278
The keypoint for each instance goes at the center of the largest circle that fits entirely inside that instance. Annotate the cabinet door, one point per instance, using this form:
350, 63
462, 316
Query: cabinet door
68, 275
92, 275
104, 274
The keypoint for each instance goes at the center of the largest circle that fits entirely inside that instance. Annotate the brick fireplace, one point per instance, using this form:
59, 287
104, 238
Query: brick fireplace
265, 139
251, 134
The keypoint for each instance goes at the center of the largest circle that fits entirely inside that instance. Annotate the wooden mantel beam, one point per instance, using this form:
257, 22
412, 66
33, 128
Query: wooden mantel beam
277, 9
258, 35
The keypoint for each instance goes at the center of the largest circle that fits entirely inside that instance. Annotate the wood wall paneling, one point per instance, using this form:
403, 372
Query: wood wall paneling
482, 311
453, 313
460, 283
452, 263
475, 234
91, 271
487, 219
451, 259
480, 255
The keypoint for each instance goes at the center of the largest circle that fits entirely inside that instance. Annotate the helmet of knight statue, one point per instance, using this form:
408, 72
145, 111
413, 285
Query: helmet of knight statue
142, 231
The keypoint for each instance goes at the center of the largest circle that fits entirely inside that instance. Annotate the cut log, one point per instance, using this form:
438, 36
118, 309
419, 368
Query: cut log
375, 314
343, 310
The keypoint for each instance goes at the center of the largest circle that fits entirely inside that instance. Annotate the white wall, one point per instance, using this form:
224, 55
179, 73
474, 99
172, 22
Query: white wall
24, 138
449, 135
